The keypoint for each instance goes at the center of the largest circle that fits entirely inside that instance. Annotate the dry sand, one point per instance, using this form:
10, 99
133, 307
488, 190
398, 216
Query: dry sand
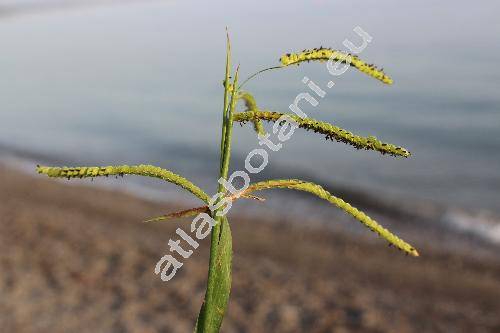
76, 259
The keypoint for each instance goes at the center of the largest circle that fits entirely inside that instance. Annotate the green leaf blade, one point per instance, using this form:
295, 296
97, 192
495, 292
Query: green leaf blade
219, 284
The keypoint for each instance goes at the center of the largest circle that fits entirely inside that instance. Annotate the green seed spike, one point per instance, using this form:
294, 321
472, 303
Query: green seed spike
138, 170
330, 131
296, 184
251, 104
325, 54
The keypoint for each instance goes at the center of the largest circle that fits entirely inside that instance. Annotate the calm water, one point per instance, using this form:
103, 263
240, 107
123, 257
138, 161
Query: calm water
141, 82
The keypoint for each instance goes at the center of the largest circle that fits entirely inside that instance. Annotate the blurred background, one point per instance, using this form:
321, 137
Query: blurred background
129, 82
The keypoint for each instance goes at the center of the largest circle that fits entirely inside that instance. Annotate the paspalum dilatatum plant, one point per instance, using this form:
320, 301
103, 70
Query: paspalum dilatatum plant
212, 214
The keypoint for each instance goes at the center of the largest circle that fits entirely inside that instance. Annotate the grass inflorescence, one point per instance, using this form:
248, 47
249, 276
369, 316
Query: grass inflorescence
327, 54
121, 170
319, 191
330, 131
220, 265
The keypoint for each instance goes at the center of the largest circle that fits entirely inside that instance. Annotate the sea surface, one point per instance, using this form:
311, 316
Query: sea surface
141, 82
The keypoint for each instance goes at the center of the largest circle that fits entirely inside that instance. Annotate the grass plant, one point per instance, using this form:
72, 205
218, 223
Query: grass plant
219, 272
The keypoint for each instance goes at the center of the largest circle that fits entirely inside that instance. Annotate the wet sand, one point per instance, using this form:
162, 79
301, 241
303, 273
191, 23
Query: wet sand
77, 259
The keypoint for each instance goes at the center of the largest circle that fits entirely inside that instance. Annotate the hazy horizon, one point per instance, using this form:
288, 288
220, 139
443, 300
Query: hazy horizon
133, 83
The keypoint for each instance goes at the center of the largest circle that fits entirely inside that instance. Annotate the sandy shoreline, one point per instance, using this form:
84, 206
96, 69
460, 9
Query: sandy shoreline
75, 258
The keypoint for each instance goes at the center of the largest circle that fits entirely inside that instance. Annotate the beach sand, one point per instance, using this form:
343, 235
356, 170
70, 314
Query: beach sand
77, 259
